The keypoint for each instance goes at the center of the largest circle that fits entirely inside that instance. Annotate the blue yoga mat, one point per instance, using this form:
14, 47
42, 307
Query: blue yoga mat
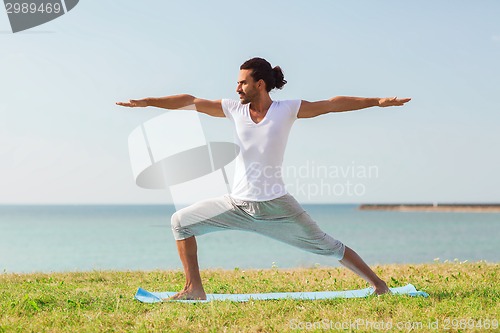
155, 297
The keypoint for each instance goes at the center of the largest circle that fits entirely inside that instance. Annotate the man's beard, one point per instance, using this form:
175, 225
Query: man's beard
246, 98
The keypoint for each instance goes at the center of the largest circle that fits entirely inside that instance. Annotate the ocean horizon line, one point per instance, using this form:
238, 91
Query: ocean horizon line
392, 203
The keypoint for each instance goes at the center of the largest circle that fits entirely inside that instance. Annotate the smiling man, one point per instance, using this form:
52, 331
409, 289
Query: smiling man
258, 201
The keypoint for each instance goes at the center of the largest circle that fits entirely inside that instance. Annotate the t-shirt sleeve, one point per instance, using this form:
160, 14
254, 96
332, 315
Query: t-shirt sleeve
294, 106
228, 106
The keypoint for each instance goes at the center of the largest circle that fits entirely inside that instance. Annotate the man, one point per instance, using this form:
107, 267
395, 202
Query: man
259, 201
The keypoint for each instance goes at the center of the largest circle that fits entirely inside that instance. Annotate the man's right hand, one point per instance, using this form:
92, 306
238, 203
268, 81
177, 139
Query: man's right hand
178, 102
134, 103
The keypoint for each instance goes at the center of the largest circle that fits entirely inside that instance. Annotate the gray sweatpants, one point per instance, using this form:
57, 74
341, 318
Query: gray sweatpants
282, 219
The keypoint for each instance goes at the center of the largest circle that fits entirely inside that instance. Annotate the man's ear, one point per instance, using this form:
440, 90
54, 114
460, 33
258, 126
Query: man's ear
261, 83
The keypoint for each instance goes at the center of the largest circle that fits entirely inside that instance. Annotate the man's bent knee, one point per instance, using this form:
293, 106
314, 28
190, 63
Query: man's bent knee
178, 230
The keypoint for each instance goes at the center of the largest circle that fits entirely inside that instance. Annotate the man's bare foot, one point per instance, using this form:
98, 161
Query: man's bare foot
188, 295
381, 288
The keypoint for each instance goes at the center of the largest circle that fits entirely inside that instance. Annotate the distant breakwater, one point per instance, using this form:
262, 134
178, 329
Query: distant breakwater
434, 207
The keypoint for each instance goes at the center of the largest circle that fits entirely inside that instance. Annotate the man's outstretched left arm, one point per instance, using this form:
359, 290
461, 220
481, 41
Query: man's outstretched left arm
346, 103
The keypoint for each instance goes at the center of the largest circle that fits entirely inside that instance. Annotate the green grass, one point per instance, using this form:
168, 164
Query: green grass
461, 295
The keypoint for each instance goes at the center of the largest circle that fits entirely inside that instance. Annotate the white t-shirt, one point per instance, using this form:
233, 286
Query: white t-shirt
258, 169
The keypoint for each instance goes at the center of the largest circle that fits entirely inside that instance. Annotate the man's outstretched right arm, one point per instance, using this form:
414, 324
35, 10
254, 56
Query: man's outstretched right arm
186, 102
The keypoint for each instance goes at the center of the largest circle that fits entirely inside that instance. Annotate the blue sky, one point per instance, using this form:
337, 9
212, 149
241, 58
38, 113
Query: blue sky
62, 139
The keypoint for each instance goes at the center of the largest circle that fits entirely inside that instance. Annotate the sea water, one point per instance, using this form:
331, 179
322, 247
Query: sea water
84, 238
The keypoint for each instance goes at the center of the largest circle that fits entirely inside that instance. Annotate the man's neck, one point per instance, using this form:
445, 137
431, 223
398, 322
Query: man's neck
262, 104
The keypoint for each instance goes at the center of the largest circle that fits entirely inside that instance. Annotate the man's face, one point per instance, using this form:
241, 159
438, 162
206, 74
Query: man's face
247, 87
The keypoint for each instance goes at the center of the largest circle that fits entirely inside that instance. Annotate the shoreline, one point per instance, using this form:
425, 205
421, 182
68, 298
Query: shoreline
455, 208
435, 262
